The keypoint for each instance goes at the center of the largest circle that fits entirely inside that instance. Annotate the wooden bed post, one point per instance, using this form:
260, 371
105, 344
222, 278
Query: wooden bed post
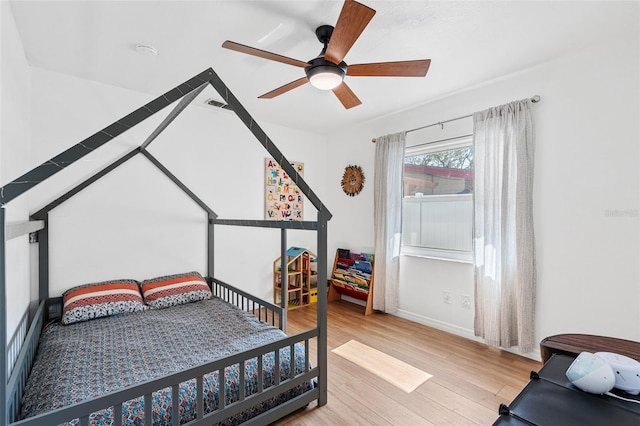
3, 322
322, 306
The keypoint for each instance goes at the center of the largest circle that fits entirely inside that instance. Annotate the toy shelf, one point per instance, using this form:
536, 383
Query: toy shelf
302, 278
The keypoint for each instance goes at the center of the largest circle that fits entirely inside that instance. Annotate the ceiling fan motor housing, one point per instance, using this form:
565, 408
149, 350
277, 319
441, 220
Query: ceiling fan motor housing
319, 64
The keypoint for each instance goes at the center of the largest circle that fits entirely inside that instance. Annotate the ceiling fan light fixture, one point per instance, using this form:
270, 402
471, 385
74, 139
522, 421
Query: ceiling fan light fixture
325, 77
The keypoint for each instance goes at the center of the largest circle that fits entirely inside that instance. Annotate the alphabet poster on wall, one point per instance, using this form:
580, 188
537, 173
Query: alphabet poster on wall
283, 199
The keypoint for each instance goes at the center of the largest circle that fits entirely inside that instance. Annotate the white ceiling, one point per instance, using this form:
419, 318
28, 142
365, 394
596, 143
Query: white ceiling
469, 42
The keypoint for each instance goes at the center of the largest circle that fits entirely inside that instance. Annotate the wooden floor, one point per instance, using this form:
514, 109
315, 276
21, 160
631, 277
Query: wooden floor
469, 381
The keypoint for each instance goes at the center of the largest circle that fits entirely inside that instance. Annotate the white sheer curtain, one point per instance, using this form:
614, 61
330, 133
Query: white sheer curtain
504, 244
387, 199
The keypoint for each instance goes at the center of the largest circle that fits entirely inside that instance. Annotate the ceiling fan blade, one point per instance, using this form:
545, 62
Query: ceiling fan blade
417, 68
346, 96
284, 89
263, 54
353, 19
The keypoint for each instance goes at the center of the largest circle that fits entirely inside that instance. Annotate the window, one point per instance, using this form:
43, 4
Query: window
437, 219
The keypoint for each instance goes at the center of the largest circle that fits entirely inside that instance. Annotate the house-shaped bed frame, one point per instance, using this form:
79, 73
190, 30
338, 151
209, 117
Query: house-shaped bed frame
16, 360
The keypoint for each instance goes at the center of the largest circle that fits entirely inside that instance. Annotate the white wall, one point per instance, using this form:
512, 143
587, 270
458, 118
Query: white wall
14, 158
587, 162
134, 222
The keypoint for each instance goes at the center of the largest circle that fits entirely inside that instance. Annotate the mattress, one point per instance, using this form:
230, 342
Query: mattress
85, 360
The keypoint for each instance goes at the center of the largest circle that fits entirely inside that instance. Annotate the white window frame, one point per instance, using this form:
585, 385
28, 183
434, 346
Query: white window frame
435, 253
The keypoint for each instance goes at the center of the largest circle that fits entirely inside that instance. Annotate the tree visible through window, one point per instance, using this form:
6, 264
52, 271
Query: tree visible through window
461, 158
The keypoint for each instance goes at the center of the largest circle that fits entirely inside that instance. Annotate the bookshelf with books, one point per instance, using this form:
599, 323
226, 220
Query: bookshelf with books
352, 276
302, 278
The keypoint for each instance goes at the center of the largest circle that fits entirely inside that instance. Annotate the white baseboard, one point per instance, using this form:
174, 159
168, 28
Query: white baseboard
458, 331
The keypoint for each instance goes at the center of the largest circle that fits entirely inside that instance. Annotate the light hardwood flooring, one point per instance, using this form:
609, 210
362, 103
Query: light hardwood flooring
469, 381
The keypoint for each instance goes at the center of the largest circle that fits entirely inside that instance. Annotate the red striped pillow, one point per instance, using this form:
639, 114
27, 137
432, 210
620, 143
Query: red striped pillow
172, 290
101, 299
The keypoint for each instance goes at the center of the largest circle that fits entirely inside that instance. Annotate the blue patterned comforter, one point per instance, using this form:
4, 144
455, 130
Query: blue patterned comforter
85, 360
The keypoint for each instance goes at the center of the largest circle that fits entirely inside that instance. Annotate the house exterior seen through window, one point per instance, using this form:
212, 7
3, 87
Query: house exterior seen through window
438, 200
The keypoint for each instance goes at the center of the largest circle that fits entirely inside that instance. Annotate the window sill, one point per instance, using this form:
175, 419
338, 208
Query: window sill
445, 256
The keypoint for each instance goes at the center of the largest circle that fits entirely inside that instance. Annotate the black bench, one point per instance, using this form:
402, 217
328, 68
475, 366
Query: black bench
549, 399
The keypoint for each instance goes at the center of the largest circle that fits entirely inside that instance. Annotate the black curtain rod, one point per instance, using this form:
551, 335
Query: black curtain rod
534, 99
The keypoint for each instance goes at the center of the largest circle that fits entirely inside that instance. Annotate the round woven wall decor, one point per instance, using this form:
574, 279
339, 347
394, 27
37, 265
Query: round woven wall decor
352, 180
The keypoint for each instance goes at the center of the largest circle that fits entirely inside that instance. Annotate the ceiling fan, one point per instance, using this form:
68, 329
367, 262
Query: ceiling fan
328, 69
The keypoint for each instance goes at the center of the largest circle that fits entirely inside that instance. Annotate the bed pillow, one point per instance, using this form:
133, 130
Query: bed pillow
172, 290
101, 299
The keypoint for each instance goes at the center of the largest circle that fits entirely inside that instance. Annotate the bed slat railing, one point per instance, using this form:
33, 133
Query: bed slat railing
306, 354
22, 365
224, 410
175, 405
243, 382
200, 395
117, 415
265, 312
15, 344
292, 360
148, 410
261, 375
276, 366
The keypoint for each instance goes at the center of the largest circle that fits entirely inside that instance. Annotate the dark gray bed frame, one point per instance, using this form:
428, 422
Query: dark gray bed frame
16, 360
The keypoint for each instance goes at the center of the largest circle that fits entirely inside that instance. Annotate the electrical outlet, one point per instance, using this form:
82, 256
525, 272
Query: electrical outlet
465, 301
446, 297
